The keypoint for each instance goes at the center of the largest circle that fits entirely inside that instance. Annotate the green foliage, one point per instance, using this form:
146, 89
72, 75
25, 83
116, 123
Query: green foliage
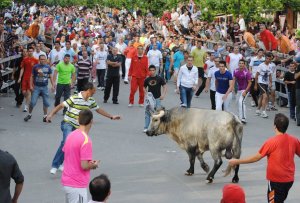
5, 3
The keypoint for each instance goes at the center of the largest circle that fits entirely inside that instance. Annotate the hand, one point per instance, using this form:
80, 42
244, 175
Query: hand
12, 77
116, 117
293, 82
129, 78
194, 88
244, 93
206, 90
161, 97
177, 90
31, 88
48, 118
72, 85
95, 164
224, 97
19, 80
52, 88
233, 162
14, 201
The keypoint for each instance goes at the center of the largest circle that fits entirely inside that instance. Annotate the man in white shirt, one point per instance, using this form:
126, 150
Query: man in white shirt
242, 23
210, 82
184, 19
187, 82
100, 60
233, 59
56, 55
121, 46
100, 189
155, 57
253, 66
77, 41
263, 81
37, 53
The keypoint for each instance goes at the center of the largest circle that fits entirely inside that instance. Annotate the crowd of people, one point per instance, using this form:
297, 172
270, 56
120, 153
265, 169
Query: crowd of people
75, 47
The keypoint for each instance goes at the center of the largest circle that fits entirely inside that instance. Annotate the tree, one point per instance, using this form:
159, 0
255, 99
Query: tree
5, 3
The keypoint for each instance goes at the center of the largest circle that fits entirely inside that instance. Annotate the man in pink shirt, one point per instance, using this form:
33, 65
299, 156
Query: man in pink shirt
78, 160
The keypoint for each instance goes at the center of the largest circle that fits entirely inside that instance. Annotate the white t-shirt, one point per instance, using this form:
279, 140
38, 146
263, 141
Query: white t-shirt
242, 24
234, 61
174, 16
121, 48
101, 57
254, 63
211, 74
37, 55
154, 56
55, 55
184, 20
209, 64
265, 72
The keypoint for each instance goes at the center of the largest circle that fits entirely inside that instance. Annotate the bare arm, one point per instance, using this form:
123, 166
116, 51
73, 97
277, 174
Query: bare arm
88, 165
231, 86
164, 92
54, 111
297, 75
18, 190
207, 84
21, 74
251, 159
54, 76
104, 113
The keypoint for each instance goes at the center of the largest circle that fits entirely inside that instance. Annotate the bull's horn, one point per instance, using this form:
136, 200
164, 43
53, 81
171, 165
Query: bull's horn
161, 114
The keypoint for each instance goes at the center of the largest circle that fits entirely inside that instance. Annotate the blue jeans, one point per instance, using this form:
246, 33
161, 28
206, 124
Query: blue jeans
186, 95
40, 90
58, 159
148, 113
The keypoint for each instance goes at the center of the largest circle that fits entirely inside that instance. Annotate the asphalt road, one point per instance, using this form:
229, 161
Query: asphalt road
141, 169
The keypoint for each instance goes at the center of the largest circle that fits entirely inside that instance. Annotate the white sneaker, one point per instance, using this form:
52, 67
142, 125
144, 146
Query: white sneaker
99, 88
130, 105
141, 105
243, 121
145, 130
53, 171
264, 114
252, 103
257, 112
25, 108
61, 168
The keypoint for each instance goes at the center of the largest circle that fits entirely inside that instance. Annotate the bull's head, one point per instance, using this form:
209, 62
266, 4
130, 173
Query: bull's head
155, 127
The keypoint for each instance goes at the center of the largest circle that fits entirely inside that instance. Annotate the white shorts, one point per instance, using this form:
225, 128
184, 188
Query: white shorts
75, 195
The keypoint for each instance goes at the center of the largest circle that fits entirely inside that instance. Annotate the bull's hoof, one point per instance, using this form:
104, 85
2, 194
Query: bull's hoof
228, 154
209, 180
235, 179
205, 167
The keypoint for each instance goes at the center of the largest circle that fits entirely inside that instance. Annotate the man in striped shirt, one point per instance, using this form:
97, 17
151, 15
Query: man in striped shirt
74, 105
84, 67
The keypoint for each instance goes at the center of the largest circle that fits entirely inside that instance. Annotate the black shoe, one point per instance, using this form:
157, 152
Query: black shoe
115, 102
125, 82
27, 118
105, 101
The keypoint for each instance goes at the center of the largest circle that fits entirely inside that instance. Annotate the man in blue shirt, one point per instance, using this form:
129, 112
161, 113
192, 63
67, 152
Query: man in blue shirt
40, 74
224, 87
176, 61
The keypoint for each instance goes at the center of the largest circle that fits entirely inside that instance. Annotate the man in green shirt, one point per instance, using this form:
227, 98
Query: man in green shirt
65, 79
199, 56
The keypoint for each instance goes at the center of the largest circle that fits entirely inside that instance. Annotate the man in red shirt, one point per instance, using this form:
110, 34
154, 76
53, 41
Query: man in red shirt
268, 38
26, 71
129, 52
280, 150
137, 73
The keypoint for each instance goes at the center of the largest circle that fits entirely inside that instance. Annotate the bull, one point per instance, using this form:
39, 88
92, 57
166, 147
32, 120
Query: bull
199, 130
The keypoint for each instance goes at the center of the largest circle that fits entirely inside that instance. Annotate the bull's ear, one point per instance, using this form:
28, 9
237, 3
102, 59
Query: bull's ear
161, 108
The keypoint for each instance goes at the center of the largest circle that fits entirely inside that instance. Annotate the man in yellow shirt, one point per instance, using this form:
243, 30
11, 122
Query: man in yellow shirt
199, 56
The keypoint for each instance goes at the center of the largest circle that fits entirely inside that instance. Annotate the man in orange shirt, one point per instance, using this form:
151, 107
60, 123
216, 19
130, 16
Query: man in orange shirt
129, 52
137, 73
284, 44
249, 39
280, 150
25, 75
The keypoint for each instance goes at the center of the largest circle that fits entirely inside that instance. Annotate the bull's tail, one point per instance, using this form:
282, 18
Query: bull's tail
237, 143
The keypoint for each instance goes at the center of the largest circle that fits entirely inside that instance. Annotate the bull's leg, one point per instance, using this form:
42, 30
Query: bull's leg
203, 165
235, 178
192, 156
216, 155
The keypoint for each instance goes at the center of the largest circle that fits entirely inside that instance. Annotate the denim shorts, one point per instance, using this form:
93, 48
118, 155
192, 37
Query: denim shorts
40, 91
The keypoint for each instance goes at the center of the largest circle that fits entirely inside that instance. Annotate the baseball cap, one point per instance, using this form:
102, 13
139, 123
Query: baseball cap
233, 194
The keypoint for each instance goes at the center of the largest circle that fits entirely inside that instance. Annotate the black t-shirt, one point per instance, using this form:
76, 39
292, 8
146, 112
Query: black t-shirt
289, 76
8, 169
298, 80
111, 70
154, 85
175, 49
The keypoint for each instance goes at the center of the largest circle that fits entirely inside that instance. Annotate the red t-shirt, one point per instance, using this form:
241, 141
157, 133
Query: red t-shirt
27, 64
280, 151
266, 37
